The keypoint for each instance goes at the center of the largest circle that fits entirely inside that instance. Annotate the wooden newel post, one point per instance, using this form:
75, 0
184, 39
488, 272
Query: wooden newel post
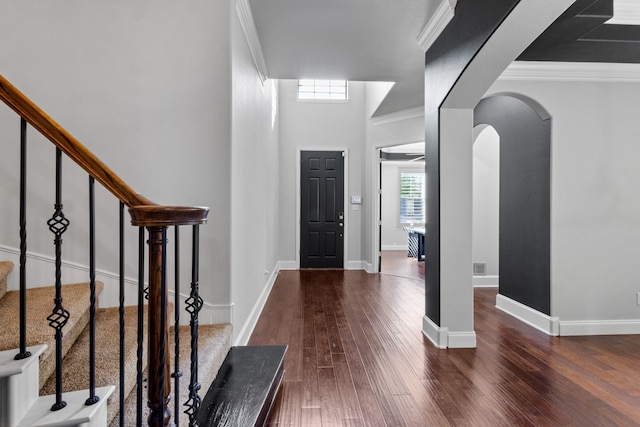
156, 219
159, 376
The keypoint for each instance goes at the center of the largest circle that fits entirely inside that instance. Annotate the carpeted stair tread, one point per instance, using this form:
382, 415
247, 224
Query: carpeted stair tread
214, 342
75, 299
5, 268
76, 362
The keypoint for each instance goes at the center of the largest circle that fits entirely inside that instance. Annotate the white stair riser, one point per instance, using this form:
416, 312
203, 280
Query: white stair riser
18, 393
19, 383
75, 414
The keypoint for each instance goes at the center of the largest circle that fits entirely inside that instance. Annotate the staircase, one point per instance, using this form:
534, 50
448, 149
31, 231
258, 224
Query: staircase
214, 343
66, 362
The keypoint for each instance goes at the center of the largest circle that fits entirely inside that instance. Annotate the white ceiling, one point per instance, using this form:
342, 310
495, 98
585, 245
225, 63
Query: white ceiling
365, 40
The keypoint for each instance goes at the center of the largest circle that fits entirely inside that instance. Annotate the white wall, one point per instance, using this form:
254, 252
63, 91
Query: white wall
595, 231
147, 89
321, 125
393, 234
254, 187
486, 198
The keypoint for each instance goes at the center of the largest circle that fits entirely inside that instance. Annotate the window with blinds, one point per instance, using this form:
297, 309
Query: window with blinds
331, 90
412, 192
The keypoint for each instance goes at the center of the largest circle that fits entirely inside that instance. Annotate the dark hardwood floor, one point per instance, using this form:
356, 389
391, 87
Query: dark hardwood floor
357, 357
397, 263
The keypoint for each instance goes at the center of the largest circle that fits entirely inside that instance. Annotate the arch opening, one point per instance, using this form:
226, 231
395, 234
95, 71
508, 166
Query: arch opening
524, 215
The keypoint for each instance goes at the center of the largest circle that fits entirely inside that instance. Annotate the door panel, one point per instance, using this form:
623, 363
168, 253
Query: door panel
322, 209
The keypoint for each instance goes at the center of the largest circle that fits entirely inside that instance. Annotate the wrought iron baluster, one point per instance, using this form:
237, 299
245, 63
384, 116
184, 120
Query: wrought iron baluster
139, 396
58, 224
194, 305
176, 329
92, 289
121, 259
23, 354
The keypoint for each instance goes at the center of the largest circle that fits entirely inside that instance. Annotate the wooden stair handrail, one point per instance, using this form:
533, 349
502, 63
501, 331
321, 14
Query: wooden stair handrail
143, 211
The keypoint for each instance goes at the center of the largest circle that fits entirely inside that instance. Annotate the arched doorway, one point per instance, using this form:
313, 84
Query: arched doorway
486, 204
525, 197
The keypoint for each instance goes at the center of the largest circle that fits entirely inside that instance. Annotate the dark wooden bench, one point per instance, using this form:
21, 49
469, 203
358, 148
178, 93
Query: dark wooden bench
245, 388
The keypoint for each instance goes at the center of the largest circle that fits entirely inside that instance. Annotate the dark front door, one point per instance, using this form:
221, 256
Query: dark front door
321, 209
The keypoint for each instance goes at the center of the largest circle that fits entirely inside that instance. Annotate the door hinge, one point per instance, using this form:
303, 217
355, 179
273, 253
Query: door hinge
343, 154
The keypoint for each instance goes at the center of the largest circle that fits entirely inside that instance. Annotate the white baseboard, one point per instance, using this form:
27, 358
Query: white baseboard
351, 265
39, 272
356, 265
485, 281
247, 329
395, 247
436, 334
461, 339
599, 327
548, 325
210, 314
369, 268
288, 265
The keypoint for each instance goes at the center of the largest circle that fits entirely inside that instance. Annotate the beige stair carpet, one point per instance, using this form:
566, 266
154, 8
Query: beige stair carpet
214, 342
75, 299
75, 375
5, 269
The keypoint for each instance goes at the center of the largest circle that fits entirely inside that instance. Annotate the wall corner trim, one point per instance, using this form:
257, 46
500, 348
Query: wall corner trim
437, 335
442, 16
243, 9
571, 72
410, 113
542, 322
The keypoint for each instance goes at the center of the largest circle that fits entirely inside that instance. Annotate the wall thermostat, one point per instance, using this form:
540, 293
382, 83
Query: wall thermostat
356, 200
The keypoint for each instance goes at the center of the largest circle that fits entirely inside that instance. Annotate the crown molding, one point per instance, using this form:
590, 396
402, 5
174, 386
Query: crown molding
572, 72
243, 9
407, 114
443, 14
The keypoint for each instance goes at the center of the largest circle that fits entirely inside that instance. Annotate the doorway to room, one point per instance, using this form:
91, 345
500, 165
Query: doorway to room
401, 210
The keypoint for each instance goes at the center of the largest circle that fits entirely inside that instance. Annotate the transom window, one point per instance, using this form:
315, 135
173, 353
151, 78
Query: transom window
333, 90
412, 193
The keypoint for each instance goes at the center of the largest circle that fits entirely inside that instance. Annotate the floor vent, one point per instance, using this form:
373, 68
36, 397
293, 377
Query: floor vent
479, 268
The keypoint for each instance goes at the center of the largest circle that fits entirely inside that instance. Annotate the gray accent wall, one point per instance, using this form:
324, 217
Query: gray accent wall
525, 186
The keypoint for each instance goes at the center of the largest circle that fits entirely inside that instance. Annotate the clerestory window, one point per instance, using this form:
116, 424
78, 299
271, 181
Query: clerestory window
328, 90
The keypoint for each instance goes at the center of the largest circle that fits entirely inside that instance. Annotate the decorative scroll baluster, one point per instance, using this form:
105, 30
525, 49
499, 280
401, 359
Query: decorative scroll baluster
177, 373
23, 354
121, 393
194, 305
58, 224
92, 289
159, 375
139, 395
